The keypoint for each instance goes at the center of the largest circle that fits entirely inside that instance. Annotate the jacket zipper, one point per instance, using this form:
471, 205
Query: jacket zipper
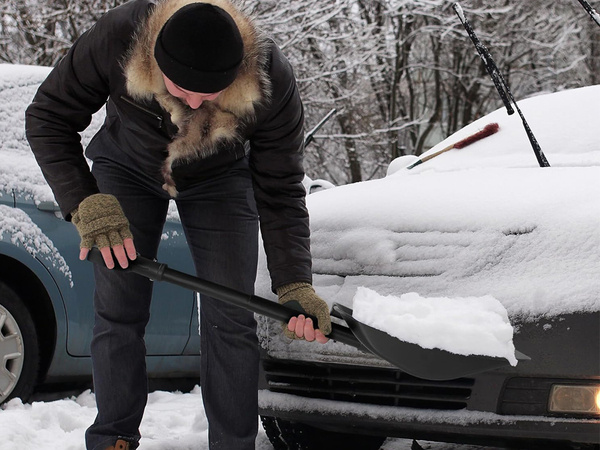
144, 110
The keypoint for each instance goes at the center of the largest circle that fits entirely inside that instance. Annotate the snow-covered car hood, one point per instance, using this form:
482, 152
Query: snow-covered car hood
529, 237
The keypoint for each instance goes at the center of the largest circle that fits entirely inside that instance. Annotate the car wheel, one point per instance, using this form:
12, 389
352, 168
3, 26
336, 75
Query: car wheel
287, 435
19, 349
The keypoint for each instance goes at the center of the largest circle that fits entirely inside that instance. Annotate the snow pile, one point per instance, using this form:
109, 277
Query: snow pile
40, 425
464, 326
172, 420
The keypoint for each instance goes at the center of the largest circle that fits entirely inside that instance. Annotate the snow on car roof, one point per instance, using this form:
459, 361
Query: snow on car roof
19, 172
563, 123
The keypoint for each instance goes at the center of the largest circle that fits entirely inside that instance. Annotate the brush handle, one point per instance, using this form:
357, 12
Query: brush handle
488, 130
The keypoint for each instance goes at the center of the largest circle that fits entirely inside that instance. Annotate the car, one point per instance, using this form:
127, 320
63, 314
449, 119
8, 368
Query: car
46, 292
483, 220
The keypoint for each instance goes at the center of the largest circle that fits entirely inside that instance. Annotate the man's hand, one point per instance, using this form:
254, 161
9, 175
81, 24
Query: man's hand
301, 327
100, 221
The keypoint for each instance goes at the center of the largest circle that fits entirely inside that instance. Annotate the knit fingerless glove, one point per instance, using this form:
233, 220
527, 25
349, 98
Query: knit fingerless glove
100, 221
314, 305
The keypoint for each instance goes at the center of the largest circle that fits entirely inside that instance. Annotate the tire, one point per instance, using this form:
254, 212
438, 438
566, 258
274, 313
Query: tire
286, 435
19, 348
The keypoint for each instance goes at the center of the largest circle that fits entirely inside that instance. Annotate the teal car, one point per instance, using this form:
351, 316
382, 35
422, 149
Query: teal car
46, 292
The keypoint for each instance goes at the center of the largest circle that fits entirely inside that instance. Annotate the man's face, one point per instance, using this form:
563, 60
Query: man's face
192, 99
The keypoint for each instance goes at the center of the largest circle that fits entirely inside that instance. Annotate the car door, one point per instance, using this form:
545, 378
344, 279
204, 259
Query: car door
172, 308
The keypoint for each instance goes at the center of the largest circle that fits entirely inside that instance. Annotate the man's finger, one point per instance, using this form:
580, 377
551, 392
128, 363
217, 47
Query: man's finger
309, 330
300, 326
292, 324
108, 259
119, 252
83, 253
320, 337
130, 248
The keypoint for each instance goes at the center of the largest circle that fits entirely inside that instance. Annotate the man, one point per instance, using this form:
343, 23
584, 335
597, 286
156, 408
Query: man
204, 109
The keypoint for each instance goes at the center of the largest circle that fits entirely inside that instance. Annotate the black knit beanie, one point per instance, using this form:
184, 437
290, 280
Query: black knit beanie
200, 48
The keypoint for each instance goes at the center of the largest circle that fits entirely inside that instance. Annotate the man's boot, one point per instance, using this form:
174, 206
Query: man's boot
119, 445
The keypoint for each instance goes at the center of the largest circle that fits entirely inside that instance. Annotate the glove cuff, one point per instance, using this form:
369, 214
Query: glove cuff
287, 288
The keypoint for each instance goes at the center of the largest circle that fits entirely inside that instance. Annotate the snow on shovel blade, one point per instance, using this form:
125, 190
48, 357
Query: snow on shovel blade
429, 364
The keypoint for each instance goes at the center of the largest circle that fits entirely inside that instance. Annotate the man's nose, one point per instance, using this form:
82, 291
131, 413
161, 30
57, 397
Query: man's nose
194, 101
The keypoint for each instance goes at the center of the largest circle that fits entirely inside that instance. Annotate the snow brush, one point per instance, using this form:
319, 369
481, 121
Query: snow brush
488, 130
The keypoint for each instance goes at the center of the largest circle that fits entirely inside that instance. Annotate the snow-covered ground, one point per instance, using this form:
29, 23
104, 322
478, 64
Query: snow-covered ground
172, 421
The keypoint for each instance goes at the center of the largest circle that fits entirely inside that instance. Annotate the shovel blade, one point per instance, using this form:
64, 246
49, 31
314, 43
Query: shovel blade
429, 364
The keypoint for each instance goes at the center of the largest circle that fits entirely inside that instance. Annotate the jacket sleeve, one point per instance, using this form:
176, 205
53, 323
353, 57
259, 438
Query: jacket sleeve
276, 160
63, 107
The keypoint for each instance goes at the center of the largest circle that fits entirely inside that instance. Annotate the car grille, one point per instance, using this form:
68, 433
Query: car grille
379, 386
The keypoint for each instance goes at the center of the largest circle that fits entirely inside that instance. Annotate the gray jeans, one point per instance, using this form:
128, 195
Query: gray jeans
221, 226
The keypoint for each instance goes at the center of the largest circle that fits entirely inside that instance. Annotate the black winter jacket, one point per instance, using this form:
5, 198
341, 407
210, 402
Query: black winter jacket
260, 115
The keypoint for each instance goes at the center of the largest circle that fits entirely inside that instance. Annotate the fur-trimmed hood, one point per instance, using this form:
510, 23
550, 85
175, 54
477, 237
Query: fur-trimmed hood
203, 131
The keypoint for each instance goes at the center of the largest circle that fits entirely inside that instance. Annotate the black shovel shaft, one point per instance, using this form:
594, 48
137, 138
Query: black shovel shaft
429, 364
157, 271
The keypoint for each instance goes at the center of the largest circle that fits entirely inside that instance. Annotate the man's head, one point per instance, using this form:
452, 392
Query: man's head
200, 48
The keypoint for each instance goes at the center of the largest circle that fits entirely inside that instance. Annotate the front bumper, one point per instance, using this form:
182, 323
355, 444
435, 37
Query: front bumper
325, 387
500, 407
462, 426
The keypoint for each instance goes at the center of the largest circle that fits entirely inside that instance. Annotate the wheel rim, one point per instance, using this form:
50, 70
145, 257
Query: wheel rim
12, 353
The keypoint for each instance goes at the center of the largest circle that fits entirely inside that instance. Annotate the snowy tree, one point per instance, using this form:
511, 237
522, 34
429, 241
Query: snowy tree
402, 74
40, 32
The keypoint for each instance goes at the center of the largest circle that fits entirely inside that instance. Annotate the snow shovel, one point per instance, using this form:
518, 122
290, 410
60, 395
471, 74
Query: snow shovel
429, 364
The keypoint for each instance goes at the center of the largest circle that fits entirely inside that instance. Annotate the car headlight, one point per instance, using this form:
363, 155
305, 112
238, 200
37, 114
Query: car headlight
569, 398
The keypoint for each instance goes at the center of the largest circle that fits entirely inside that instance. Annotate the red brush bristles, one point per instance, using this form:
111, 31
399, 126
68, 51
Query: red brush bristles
488, 130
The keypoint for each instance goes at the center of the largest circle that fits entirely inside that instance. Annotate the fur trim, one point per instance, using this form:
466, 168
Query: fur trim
204, 130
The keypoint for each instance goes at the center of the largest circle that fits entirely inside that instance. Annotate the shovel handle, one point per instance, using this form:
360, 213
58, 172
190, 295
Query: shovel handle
296, 306
157, 271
